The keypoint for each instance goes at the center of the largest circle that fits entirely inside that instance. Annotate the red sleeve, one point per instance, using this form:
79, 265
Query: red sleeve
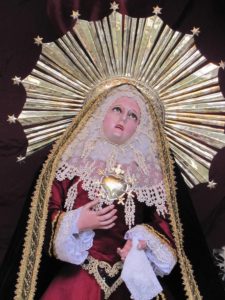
55, 210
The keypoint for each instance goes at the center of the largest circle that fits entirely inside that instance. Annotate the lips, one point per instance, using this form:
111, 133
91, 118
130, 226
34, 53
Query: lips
119, 126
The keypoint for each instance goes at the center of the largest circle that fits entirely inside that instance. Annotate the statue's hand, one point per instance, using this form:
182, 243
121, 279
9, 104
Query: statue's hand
102, 219
126, 248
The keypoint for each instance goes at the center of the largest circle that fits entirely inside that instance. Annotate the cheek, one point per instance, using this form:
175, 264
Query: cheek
131, 128
108, 122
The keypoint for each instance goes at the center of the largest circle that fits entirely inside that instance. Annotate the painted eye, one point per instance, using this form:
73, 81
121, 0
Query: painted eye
117, 109
132, 116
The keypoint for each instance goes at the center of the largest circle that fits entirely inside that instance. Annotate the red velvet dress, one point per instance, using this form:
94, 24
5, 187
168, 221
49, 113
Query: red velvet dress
75, 283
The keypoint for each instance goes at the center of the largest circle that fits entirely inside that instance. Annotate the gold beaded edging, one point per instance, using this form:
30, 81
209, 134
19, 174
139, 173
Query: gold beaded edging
92, 268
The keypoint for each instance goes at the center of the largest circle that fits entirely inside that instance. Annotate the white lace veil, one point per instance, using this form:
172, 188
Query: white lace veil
90, 151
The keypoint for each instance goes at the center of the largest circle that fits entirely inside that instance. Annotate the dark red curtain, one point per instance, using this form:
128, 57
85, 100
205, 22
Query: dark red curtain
20, 22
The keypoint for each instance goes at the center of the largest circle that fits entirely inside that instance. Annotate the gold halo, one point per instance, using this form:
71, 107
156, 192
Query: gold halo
144, 52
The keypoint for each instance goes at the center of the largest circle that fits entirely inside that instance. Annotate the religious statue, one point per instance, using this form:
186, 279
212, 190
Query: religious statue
107, 208
108, 219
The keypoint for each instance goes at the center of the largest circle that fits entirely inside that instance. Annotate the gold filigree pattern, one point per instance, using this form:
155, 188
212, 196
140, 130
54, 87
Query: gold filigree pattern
93, 265
161, 61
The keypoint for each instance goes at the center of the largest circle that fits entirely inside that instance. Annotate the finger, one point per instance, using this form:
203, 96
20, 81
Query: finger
91, 204
109, 221
105, 210
107, 216
118, 250
108, 226
142, 245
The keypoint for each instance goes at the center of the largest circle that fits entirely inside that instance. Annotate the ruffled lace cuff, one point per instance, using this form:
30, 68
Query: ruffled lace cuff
70, 245
160, 253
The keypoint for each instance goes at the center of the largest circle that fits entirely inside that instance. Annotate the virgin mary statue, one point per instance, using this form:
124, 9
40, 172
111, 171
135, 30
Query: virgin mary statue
110, 217
106, 211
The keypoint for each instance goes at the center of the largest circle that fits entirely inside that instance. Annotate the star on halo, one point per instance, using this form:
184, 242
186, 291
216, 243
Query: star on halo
20, 158
114, 6
157, 10
211, 184
195, 31
222, 64
75, 14
38, 40
16, 80
11, 119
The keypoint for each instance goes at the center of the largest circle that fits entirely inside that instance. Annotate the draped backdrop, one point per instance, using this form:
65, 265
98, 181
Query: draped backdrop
23, 20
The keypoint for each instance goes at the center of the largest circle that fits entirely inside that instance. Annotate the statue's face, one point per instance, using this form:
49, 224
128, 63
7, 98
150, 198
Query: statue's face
121, 120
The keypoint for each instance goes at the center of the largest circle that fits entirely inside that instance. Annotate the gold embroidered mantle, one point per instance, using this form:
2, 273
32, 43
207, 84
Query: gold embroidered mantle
27, 277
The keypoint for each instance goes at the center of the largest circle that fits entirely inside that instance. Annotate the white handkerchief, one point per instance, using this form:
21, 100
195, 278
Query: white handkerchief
139, 276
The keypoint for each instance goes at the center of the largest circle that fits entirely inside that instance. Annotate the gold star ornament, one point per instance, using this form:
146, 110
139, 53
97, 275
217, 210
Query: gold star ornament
75, 14
222, 64
38, 40
114, 6
11, 119
157, 10
16, 80
195, 31
20, 158
211, 184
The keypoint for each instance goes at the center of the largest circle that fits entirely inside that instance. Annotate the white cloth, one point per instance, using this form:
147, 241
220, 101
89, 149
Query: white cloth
159, 253
139, 276
141, 267
70, 245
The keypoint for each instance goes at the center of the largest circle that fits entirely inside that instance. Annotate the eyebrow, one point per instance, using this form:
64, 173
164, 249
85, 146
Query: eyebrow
132, 109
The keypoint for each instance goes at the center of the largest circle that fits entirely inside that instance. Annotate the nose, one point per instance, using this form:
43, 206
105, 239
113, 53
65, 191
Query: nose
124, 117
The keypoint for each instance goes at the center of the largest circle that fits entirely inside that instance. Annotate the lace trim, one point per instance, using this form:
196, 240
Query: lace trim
154, 195
69, 245
93, 267
162, 238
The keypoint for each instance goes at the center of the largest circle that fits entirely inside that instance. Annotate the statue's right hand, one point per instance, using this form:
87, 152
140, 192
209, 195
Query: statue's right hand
102, 219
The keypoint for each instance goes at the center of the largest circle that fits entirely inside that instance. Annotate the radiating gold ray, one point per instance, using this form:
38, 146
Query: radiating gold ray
192, 95
212, 138
210, 120
214, 97
205, 77
189, 142
150, 54
189, 152
192, 166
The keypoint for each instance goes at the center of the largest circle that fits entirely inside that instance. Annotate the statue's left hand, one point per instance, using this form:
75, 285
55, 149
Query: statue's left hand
126, 248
